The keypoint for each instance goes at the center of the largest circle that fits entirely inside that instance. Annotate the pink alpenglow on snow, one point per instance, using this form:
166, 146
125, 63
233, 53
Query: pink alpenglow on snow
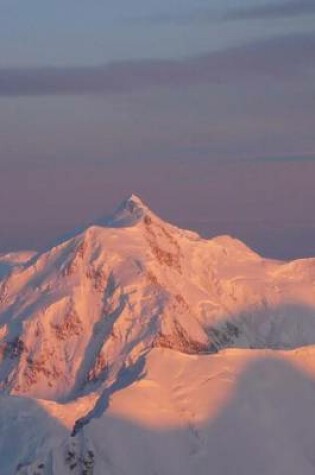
138, 347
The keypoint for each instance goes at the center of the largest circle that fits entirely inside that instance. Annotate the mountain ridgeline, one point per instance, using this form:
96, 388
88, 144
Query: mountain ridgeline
93, 316
74, 316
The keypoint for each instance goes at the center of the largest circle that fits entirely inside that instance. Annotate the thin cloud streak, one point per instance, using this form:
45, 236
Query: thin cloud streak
290, 8
183, 18
283, 58
287, 158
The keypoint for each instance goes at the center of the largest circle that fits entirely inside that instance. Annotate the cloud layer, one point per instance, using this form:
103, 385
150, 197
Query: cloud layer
281, 57
290, 8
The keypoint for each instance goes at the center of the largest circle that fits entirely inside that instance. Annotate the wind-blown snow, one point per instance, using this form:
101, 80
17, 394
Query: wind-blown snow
158, 351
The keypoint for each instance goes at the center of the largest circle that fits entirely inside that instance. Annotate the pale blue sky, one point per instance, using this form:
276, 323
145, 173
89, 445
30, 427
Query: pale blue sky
80, 32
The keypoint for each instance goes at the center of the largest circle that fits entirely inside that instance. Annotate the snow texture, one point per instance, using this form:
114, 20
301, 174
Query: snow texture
135, 347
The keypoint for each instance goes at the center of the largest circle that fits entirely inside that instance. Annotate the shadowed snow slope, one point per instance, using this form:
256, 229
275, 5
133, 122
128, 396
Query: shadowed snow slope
161, 352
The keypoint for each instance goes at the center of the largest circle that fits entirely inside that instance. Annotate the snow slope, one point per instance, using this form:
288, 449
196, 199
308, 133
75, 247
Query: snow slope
136, 347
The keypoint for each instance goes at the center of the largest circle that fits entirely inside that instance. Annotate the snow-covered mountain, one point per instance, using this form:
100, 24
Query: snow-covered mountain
136, 347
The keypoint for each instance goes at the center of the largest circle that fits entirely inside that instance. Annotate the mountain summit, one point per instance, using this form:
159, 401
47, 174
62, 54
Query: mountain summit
130, 212
93, 315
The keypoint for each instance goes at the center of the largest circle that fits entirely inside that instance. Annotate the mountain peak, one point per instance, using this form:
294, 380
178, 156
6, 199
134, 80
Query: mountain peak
134, 204
135, 199
130, 212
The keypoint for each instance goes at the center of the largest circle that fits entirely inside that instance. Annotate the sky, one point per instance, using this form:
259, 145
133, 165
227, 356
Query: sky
204, 109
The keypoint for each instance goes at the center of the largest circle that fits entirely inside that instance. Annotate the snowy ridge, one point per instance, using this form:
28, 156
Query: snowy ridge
122, 332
